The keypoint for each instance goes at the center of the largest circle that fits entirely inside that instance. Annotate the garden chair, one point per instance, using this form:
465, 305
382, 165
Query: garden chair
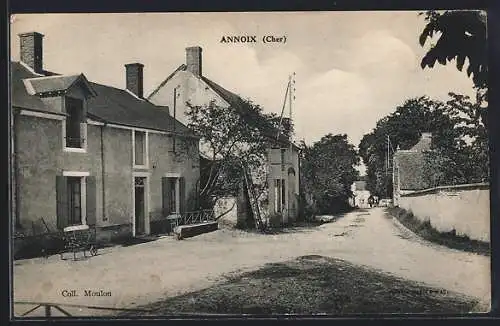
79, 238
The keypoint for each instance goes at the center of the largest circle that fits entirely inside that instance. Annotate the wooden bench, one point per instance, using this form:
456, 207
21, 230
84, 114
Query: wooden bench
79, 238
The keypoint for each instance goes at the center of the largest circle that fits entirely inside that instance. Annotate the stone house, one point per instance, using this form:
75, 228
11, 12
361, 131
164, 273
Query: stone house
187, 84
408, 168
360, 194
87, 153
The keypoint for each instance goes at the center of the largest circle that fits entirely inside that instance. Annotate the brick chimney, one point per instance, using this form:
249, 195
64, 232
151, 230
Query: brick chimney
134, 78
193, 60
32, 50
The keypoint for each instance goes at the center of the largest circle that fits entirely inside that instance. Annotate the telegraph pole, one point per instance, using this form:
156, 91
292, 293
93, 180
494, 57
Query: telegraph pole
292, 89
288, 90
292, 98
387, 163
175, 120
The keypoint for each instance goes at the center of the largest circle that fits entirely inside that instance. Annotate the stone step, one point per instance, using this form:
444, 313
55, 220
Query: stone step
192, 230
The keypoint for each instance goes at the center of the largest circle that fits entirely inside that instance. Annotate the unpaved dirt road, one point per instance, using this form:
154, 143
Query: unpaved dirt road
143, 273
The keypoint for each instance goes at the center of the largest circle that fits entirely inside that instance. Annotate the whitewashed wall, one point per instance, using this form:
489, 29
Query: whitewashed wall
223, 205
465, 208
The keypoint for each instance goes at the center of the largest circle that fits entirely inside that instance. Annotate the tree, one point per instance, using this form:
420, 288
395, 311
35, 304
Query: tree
404, 127
463, 36
328, 171
231, 137
468, 161
459, 149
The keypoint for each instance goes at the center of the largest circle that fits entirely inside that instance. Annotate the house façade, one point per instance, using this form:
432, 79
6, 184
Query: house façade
187, 85
87, 153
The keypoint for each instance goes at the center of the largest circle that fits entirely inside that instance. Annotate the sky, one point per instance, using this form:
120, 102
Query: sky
351, 68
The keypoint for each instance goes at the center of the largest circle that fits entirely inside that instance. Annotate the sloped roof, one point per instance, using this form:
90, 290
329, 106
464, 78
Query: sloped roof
411, 170
228, 96
238, 103
182, 67
109, 104
424, 144
55, 84
360, 185
119, 106
231, 98
19, 95
411, 164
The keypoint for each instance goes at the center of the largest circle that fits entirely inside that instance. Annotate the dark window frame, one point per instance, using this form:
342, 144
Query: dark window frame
75, 111
75, 212
143, 160
173, 196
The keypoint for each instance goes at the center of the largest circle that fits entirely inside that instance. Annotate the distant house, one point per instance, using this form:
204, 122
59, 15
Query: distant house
92, 154
191, 86
360, 194
408, 168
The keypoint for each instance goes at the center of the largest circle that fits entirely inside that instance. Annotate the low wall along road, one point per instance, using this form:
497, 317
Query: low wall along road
463, 208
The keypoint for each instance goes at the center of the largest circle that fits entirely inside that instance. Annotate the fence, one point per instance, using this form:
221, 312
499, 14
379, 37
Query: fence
51, 310
197, 217
463, 208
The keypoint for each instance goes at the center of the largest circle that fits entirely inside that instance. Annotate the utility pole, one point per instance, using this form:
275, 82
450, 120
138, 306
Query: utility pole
291, 81
291, 99
283, 109
387, 165
387, 156
175, 120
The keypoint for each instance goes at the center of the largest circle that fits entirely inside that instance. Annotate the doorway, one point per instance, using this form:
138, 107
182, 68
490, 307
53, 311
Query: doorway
292, 203
139, 205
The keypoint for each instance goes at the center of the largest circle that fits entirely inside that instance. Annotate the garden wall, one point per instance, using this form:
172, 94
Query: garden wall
463, 208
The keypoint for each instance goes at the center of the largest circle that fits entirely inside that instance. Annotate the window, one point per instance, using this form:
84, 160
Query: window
283, 193
140, 148
74, 186
283, 151
173, 189
76, 199
75, 129
172, 196
279, 195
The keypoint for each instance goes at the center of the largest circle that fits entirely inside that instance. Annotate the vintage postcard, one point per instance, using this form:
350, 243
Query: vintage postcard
252, 163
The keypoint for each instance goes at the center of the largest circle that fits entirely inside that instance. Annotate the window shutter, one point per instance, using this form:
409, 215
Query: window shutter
62, 202
91, 200
165, 191
182, 195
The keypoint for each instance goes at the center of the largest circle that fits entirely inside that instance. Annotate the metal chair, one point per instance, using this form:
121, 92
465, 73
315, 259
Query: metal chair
79, 238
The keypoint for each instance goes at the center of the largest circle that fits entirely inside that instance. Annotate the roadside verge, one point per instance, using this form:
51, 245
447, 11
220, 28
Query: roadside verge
426, 231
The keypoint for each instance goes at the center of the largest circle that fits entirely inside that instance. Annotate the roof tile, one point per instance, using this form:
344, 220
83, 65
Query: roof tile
111, 104
50, 84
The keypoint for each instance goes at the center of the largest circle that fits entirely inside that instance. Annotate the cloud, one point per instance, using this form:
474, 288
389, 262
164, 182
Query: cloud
332, 102
378, 53
239, 69
352, 68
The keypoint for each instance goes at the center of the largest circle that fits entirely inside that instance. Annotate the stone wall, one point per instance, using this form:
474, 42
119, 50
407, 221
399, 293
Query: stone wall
463, 208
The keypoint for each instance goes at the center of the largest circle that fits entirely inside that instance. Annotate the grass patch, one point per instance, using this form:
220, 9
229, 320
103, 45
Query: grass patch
295, 227
312, 285
448, 239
